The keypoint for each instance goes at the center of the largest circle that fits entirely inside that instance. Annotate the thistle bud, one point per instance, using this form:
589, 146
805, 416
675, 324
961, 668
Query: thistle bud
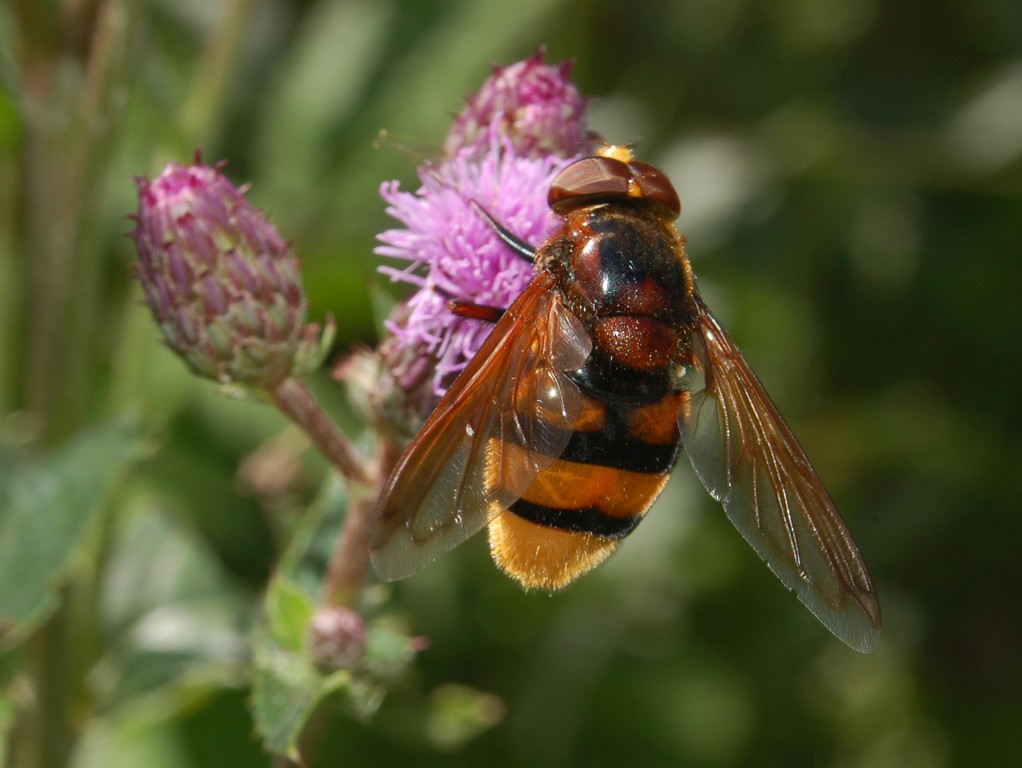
530, 103
222, 284
337, 638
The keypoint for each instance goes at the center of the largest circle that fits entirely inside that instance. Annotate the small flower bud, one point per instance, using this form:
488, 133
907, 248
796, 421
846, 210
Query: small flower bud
337, 638
220, 281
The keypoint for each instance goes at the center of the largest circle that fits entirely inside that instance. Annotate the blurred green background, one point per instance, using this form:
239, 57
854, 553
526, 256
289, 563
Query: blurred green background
851, 175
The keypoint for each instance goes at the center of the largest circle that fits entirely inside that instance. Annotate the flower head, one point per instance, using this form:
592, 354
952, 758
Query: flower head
461, 257
220, 281
533, 104
504, 150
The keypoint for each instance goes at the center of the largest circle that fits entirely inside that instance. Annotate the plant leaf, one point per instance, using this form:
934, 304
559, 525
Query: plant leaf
47, 511
286, 685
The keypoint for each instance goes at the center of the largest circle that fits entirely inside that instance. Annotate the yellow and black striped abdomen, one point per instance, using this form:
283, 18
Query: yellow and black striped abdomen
570, 519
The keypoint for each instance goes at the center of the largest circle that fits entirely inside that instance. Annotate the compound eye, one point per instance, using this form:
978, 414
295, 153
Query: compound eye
590, 177
654, 185
607, 178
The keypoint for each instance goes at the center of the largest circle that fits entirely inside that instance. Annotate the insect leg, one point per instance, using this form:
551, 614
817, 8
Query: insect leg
473, 311
470, 310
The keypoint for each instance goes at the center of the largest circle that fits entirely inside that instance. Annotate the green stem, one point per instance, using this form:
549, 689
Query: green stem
299, 404
200, 112
349, 563
70, 118
69, 121
54, 733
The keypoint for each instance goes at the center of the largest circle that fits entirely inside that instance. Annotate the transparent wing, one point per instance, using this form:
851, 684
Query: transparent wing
748, 459
507, 416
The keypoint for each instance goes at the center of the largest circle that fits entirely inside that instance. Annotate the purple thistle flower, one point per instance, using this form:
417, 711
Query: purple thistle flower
504, 150
220, 281
462, 257
532, 103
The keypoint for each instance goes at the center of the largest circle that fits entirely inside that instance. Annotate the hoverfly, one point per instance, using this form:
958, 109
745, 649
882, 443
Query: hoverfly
567, 423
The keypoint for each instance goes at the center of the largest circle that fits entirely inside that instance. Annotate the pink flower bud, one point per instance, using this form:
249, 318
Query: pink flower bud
532, 104
221, 283
337, 638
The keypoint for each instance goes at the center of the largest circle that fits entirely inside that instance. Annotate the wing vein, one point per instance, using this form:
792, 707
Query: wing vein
748, 458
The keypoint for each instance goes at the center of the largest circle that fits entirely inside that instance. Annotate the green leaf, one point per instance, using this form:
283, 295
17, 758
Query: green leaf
8, 713
285, 692
286, 685
173, 619
289, 611
457, 714
48, 510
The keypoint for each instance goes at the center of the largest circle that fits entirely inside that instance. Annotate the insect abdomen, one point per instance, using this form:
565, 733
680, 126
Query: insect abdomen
570, 519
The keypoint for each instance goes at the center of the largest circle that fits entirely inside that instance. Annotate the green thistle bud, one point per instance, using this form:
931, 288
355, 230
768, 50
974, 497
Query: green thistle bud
222, 284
